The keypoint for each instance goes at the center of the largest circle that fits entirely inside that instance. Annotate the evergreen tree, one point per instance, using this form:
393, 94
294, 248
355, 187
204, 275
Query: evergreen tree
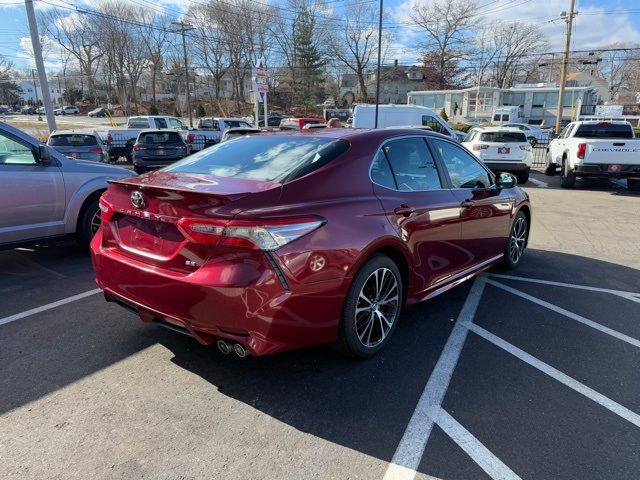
309, 61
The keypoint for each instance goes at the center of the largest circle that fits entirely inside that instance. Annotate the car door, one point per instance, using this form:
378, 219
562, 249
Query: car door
485, 213
420, 207
33, 194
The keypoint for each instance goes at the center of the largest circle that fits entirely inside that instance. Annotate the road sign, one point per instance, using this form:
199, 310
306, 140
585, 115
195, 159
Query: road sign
260, 77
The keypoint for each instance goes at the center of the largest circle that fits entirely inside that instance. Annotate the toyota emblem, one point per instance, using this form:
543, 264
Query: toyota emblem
137, 199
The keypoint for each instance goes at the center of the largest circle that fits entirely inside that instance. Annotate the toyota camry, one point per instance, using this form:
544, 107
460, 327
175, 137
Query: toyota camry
274, 242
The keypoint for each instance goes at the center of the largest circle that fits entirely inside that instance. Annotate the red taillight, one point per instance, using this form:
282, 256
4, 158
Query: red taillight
106, 210
109, 138
96, 150
479, 146
259, 235
137, 146
582, 150
190, 137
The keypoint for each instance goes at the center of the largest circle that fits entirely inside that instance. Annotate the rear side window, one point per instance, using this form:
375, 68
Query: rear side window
266, 158
137, 122
75, 140
381, 172
503, 137
159, 138
412, 164
604, 130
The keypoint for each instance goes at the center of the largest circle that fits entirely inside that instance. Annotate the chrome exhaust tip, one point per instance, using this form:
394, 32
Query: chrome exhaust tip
225, 347
241, 351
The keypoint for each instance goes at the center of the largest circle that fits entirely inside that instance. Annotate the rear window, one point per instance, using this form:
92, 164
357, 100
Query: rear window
75, 140
272, 159
604, 130
158, 138
138, 123
503, 137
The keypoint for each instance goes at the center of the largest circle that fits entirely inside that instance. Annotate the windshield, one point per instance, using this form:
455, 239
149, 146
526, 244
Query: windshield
270, 159
503, 137
604, 130
75, 140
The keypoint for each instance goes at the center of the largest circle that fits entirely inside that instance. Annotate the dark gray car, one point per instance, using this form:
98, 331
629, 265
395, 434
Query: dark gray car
80, 145
158, 148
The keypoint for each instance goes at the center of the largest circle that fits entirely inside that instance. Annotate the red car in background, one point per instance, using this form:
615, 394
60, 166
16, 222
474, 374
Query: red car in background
298, 123
281, 241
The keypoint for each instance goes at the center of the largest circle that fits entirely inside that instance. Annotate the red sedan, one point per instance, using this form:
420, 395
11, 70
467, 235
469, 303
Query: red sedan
274, 242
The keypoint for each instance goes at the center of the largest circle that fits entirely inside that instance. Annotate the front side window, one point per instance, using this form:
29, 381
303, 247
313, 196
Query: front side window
436, 126
13, 152
177, 124
412, 164
464, 170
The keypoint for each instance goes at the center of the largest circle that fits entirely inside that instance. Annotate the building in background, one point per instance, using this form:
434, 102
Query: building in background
28, 92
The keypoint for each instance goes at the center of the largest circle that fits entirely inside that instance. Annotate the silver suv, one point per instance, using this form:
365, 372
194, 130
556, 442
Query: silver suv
45, 195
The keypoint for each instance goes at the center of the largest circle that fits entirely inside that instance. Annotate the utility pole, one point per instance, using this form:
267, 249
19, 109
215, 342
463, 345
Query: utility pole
185, 27
35, 90
565, 61
379, 56
37, 53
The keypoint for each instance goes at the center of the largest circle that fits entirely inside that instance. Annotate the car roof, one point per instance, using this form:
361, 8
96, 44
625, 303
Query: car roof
159, 130
358, 134
75, 131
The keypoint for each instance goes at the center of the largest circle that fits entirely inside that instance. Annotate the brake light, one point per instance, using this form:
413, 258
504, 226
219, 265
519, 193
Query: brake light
526, 148
95, 150
480, 146
258, 235
582, 150
137, 146
106, 210
109, 138
190, 137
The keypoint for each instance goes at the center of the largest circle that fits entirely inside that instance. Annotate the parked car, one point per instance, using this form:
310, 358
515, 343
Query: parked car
231, 133
534, 133
4, 110
396, 115
298, 123
46, 195
244, 245
99, 112
273, 120
28, 110
79, 144
41, 111
501, 149
66, 110
597, 149
210, 131
158, 148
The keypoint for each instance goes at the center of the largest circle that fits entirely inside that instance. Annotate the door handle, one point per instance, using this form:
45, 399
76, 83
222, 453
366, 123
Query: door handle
467, 204
404, 210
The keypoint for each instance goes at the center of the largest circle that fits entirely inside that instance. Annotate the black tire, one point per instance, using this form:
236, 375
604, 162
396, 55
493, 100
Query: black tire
633, 184
87, 222
517, 240
370, 322
567, 178
533, 141
550, 169
523, 177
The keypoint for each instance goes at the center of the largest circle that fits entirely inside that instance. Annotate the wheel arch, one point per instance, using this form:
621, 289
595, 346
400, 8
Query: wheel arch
85, 204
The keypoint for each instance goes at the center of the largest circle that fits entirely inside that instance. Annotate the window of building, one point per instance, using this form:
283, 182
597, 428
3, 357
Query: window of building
482, 102
545, 100
513, 99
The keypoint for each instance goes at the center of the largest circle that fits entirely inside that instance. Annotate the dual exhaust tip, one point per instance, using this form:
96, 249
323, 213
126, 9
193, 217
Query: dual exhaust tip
228, 347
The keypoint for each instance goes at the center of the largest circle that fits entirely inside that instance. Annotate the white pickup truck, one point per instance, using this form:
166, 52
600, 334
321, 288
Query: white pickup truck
595, 149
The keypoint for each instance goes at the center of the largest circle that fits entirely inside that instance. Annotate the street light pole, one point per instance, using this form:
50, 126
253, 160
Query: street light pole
565, 61
379, 56
185, 27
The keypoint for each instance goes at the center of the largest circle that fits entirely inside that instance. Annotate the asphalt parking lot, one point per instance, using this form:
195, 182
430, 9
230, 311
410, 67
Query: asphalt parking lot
528, 374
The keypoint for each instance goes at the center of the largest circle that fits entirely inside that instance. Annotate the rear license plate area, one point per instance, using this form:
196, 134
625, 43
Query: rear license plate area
614, 168
504, 150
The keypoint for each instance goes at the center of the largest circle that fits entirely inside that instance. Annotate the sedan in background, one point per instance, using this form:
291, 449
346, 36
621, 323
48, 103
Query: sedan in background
244, 245
99, 112
158, 148
534, 133
502, 150
79, 145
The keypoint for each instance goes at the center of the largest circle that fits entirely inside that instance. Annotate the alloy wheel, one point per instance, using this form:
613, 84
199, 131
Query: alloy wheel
518, 239
377, 307
95, 222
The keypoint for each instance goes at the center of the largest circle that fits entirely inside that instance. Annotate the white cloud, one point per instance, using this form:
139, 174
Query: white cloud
50, 52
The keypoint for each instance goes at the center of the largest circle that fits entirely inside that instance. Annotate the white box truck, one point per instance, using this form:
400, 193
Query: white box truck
364, 116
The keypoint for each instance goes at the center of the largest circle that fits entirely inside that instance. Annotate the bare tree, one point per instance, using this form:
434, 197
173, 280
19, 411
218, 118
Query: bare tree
155, 37
447, 25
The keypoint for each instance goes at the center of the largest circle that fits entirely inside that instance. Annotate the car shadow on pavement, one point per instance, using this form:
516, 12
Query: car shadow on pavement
366, 405
613, 186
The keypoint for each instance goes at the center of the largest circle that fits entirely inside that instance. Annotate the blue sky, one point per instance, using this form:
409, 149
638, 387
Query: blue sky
598, 24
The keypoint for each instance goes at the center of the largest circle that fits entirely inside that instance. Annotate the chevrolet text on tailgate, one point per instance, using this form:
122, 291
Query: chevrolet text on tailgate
595, 149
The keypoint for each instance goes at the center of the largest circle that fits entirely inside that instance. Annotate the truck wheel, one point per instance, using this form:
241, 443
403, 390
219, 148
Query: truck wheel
633, 184
550, 170
568, 178
523, 177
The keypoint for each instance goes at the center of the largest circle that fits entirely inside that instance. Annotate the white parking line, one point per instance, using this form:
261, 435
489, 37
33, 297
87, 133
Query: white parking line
568, 314
407, 457
48, 306
538, 183
476, 450
633, 296
563, 378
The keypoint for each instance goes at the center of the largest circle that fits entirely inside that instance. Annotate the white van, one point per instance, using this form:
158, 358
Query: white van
364, 116
511, 114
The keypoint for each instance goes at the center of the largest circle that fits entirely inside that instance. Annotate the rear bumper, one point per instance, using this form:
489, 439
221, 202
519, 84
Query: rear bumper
156, 162
602, 170
238, 296
507, 166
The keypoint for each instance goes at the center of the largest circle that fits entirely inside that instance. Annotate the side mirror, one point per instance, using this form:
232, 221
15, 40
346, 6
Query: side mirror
505, 180
44, 155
